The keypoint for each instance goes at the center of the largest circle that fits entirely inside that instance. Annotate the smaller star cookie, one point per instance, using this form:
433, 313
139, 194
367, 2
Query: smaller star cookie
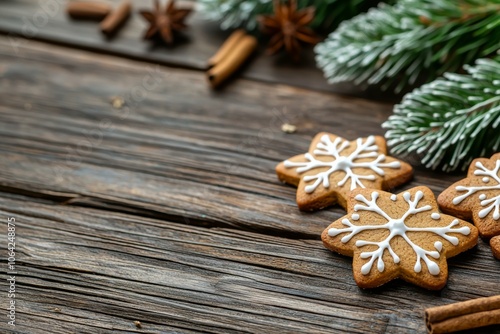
495, 246
334, 166
477, 197
404, 235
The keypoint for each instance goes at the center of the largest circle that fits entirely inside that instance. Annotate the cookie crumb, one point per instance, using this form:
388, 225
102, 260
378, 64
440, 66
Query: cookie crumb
57, 309
137, 324
288, 128
117, 102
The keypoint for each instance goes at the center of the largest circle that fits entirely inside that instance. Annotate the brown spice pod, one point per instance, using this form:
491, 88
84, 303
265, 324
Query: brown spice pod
116, 18
226, 47
227, 66
465, 315
87, 10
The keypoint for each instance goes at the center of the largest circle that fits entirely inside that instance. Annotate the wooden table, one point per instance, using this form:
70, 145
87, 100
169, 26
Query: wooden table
166, 210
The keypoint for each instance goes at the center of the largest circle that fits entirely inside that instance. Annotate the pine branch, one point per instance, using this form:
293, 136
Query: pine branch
414, 41
243, 13
451, 120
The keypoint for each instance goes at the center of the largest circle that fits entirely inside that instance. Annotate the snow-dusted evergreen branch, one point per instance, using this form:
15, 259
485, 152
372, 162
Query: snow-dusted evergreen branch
452, 120
411, 42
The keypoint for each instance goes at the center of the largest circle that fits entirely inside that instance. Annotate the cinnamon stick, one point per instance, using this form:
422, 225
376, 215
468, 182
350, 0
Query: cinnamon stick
226, 48
465, 315
87, 10
232, 61
116, 18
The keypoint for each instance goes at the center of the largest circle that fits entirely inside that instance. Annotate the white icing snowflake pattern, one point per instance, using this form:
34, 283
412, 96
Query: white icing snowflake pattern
345, 163
489, 204
397, 227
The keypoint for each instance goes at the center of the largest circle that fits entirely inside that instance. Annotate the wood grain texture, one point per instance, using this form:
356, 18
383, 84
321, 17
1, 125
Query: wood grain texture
90, 271
175, 148
25, 18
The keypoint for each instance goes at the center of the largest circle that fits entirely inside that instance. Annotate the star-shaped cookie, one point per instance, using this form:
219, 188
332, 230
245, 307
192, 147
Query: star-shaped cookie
495, 246
477, 197
334, 166
404, 235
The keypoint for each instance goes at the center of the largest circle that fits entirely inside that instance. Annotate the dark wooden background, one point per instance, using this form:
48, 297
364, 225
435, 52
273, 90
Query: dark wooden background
167, 210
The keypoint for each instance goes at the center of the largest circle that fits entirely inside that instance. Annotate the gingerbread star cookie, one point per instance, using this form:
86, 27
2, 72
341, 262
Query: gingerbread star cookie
477, 197
495, 246
404, 235
334, 166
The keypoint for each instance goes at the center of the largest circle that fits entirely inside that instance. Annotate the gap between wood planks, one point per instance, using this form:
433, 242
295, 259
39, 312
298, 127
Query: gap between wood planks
64, 199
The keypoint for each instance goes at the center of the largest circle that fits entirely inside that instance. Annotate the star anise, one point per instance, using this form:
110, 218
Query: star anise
288, 27
165, 21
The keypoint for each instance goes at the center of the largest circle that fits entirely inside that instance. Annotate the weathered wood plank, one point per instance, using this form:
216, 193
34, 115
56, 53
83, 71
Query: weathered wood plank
91, 271
25, 18
176, 148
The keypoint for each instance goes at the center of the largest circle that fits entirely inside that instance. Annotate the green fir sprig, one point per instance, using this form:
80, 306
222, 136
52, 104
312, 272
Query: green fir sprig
243, 13
412, 42
451, 120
